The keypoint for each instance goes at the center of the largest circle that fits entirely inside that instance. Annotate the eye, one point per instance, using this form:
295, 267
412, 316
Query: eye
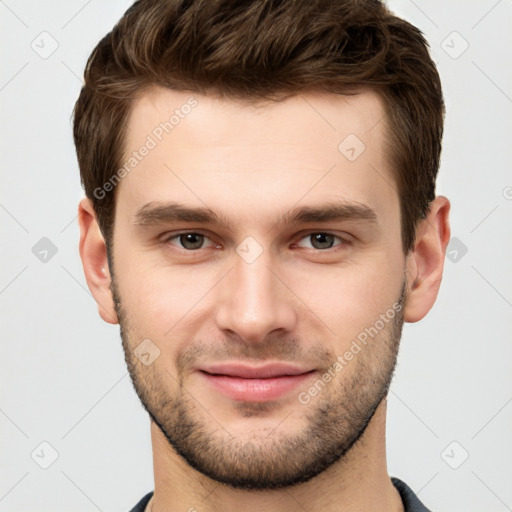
321, 241
190, 241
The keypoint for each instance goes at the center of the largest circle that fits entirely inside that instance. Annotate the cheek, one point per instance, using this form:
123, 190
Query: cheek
161, 301
352, 298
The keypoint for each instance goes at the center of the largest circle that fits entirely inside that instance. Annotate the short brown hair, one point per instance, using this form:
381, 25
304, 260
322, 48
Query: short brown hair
258, 49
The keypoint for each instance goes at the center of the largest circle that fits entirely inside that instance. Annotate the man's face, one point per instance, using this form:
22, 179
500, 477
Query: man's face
251, 309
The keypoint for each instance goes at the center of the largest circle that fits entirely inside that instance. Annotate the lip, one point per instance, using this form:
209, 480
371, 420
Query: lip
255, 383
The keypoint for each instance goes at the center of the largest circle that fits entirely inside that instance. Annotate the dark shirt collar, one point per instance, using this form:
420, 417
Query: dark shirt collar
410, 500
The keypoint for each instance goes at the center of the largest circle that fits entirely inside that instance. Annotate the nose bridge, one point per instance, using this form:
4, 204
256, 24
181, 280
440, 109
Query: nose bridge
253, 302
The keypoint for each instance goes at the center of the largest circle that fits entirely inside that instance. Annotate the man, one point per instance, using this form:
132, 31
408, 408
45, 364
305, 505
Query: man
260, 220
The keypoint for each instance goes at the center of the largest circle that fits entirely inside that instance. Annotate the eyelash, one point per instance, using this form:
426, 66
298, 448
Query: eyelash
343, 241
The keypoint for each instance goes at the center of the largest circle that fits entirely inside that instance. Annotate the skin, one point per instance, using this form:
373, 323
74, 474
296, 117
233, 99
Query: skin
252, 164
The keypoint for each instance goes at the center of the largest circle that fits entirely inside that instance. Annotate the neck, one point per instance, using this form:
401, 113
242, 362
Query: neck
359, 481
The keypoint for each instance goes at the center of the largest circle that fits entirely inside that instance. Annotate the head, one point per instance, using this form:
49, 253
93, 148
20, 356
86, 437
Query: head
260, 182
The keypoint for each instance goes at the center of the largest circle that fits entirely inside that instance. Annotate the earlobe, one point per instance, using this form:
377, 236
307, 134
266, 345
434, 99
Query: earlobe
426, 262
93, 253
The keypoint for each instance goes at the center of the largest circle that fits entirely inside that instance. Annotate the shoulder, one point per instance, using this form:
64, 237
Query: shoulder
141, 505
410, 500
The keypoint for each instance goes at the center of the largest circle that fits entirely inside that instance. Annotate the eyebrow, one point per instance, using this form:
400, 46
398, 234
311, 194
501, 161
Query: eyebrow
328, 213
155, 213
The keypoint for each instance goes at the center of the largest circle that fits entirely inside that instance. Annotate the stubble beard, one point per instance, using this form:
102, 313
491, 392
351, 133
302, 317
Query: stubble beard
334, 420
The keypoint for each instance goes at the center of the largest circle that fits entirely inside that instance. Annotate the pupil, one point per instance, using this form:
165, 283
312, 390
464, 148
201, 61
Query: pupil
322, 241
191, 240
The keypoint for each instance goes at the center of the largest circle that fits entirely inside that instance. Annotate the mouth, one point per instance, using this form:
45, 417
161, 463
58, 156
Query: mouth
255, 383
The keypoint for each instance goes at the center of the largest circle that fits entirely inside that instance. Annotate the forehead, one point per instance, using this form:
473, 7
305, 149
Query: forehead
313, 117
235, 154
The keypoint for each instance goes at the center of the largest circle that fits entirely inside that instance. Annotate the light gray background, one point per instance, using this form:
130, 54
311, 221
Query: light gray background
63, 374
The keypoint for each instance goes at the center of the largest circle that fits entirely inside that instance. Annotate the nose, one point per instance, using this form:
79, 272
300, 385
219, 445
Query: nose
253, 301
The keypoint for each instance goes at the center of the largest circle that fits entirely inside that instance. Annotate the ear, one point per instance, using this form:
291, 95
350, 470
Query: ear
93, 252
426, 261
